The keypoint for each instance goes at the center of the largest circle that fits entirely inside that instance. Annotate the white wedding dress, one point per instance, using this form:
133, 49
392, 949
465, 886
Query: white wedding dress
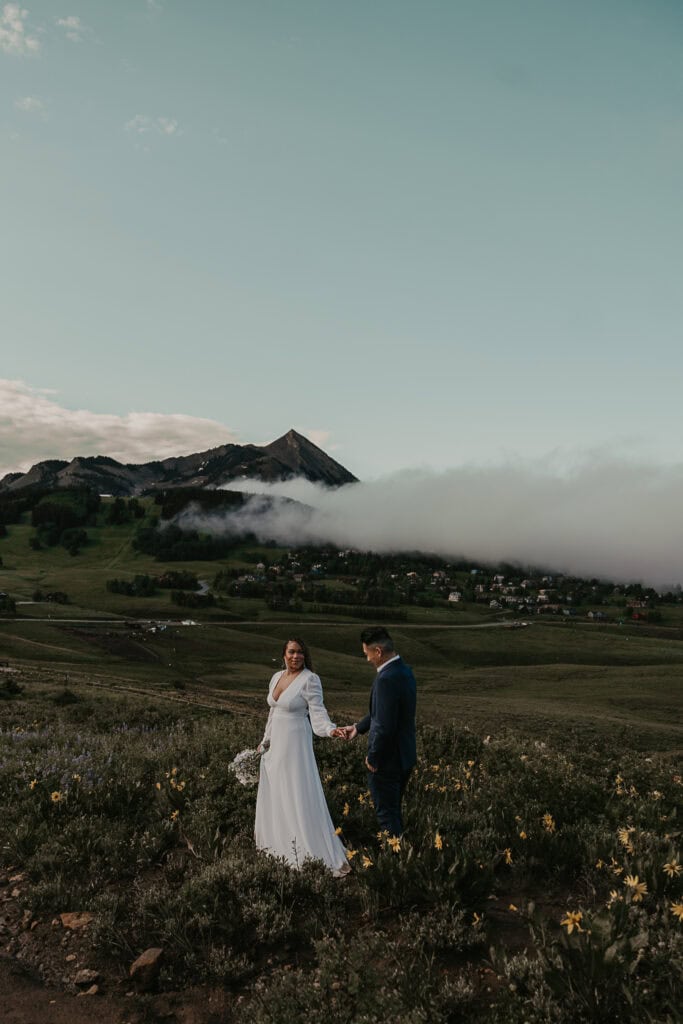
292, 819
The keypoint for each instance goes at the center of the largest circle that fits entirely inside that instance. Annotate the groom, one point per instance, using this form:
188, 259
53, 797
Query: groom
391, 724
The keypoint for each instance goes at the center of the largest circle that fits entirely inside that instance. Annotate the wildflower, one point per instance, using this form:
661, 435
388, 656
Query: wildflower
624, 835
367, 863
457, 785
523, 835
476, 919
157, 785
656, 795
548, 822
438, 842
174, 814
395, 843
572, 920
677, 910
346, 810
618, 781
351, 854
361, 798
382, 835
55, 797
470, 764
180, 787
32, 784
639, 889
513, 908
338, 830
76, 778
616, 867
174, 771
673, 869
614, 897
599, 863
507, 852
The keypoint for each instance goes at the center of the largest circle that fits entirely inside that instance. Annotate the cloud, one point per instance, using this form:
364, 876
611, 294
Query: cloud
30, 105
14, 37
608, 518
33, 427
74, 28
143, 124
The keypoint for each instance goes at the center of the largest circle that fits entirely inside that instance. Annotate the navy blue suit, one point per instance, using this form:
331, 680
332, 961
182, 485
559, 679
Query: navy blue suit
391, 743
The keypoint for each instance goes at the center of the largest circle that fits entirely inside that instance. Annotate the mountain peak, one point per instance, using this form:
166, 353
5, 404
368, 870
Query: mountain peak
292, 455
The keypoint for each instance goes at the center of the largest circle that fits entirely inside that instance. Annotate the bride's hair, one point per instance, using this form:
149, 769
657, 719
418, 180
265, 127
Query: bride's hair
307, 654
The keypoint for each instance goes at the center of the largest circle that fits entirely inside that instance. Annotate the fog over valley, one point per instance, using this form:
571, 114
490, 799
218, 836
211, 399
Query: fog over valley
612, 519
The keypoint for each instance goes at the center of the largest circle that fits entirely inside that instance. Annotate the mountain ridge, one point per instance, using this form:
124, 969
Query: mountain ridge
288, 456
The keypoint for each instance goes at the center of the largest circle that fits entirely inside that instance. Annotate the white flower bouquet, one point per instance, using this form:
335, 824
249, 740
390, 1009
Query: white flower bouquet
246, 766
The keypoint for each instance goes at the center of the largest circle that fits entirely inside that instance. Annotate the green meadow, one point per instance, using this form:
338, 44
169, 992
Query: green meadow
541, 875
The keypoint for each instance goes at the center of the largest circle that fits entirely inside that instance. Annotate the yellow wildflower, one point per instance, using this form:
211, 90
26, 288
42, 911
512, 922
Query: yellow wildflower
513, 908
438, 842
548, 822
338, 830
507, 852
572, 920
367, 863
76, 778
382, 835
55, 797
624, 835
346, 810
523, 835
656, 795
638, 888
470, 764
32, 784
361, 798
476, 919
616, 868
677, 911
395, 843
457, 785
157, 785
614, 897
673, 869
174, 815
180, 787
599, 863
174, 771
351, 854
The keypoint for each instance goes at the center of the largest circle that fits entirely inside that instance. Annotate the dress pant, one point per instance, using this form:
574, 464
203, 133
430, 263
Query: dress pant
387, 788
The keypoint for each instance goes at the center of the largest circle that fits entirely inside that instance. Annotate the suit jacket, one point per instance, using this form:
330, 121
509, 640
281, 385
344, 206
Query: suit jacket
391, 721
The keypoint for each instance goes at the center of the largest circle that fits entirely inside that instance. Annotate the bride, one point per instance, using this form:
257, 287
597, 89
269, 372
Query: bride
292, 819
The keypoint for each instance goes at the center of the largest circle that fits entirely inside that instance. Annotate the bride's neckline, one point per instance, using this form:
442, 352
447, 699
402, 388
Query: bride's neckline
292, 680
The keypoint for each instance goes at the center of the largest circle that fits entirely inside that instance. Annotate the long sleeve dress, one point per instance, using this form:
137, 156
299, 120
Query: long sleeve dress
292, 818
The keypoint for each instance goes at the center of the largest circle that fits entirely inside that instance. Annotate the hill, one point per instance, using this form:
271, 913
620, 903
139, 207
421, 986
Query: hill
291, 455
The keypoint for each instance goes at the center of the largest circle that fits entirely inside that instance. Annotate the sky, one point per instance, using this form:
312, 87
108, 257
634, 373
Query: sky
427, 235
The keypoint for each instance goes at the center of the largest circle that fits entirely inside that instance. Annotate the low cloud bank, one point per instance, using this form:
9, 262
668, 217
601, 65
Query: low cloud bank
610, 519
34, 427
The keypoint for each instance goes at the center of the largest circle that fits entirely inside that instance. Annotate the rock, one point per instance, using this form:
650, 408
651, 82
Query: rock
145, 969
79, 919
86, 977
92, 991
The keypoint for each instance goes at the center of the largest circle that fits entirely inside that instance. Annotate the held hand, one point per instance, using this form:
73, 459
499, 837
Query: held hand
350, 732
370, 767
338, 734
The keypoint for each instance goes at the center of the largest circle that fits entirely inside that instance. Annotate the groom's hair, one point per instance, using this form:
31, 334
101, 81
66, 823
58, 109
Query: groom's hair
377, 636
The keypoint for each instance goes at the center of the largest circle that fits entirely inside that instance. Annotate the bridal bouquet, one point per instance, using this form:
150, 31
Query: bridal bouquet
246, 766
